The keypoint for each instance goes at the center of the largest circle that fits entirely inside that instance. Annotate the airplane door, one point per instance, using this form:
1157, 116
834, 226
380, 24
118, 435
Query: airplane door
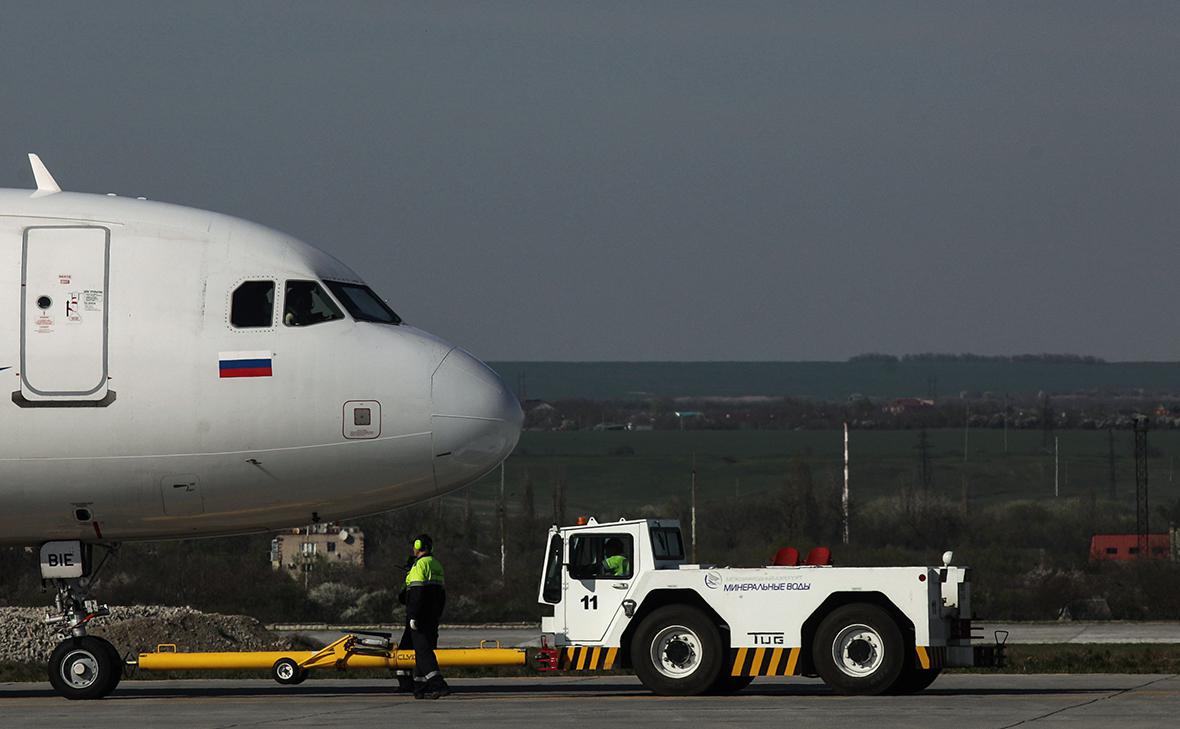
64, 279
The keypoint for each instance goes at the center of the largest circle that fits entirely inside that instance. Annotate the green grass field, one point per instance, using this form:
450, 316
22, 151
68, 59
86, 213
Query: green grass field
613, 474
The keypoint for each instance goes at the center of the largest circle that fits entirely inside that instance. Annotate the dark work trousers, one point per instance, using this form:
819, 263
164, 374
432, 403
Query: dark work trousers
423, 640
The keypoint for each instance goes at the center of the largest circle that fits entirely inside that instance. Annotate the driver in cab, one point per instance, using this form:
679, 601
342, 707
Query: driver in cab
615, 563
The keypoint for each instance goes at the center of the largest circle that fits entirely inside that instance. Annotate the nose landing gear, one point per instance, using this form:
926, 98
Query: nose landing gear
81, 666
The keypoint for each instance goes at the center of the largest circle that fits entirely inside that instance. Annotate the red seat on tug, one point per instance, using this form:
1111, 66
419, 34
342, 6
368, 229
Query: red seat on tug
786, 557
819, 557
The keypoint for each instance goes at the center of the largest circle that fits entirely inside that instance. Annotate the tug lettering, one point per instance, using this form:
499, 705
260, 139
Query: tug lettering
766, 586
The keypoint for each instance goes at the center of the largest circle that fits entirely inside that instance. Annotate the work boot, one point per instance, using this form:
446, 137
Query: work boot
405, 682
435, 688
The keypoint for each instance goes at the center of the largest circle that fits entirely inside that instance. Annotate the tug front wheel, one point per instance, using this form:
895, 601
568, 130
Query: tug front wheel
288, 672
676, 651
84, 668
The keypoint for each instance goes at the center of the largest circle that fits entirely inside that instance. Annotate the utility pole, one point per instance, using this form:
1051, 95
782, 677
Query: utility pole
693, 507
1005, 423
924, 458
844, 501
503, 526
1047, 418
966, 429
1113, 474
1142, 510
1056, 466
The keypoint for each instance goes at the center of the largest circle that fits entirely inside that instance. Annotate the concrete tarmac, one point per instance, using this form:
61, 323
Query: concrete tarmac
964, 701
1102, 632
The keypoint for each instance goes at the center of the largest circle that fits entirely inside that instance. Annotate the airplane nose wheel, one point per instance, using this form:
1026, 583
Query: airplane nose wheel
85, 668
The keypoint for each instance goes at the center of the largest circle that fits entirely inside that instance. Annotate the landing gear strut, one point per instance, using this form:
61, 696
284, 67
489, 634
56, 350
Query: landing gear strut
81, 666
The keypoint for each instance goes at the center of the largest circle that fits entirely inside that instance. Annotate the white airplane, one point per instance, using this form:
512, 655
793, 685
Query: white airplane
175, 373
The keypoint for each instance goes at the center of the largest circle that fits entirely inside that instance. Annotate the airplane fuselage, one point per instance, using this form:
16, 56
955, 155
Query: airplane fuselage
145, 391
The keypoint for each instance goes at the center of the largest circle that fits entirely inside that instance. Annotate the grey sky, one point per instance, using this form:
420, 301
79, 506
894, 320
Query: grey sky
655, 181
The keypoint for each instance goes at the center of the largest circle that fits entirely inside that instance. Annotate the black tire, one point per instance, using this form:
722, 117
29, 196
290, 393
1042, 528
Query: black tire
912, 680
117, 674
288, 672
858, 650
676, 651
84, 668
726, 684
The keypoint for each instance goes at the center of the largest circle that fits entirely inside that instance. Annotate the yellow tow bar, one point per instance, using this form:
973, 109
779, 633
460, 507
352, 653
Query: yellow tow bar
349, 651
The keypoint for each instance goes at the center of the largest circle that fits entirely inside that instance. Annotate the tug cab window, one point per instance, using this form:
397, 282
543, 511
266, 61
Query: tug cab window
253, 305
601, 557
306, 303
363, 304
666, 543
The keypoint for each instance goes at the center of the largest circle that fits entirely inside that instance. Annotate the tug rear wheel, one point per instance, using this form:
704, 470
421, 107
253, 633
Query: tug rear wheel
858, 650
84, 668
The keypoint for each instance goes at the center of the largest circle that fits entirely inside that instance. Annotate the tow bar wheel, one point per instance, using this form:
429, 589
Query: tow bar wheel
858, 649
84, 668
677, 651
287, 672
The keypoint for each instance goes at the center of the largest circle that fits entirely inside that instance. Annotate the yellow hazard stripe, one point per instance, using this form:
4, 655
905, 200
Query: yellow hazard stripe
756, 664
765, 661
776, 657
738, 661
588, 659
923, 657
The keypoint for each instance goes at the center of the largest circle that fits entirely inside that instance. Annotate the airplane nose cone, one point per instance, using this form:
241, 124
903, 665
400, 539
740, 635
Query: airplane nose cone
475, 423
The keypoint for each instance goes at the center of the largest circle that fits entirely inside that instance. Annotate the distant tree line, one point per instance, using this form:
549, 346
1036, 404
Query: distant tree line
1091, 411
1047, 358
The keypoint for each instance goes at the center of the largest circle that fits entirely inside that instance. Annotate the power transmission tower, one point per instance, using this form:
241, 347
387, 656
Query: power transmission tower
1142, 510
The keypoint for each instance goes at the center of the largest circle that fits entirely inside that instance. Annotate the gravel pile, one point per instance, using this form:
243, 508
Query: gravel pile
25, 638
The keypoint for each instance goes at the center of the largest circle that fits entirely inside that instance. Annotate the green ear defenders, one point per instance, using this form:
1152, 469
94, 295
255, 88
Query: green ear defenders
423, 542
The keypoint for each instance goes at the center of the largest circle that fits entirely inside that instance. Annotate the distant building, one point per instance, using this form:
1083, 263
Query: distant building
905, 405
303, 548
1120, 547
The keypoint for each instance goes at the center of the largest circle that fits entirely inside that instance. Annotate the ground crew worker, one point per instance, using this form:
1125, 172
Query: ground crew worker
425, 598
616, 563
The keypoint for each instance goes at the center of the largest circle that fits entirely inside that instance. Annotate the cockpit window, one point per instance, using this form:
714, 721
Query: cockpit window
253, 305
306, 303
363, 304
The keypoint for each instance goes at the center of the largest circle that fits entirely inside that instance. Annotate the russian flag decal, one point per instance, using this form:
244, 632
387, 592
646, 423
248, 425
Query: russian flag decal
244, 364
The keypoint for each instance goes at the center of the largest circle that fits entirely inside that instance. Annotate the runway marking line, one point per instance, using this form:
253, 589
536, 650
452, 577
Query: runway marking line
1095, 700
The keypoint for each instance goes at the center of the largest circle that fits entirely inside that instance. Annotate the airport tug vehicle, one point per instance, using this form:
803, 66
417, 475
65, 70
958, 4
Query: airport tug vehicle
623, 596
